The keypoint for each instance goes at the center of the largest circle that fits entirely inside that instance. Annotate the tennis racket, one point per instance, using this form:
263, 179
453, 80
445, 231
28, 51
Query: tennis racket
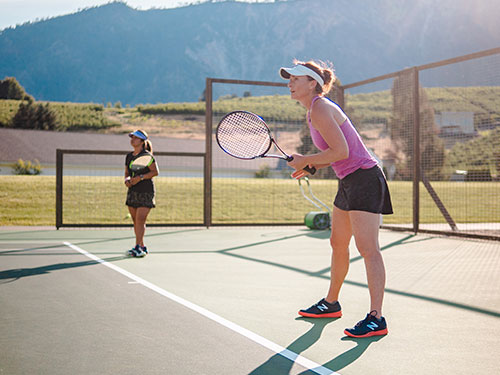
138, 165
245, 135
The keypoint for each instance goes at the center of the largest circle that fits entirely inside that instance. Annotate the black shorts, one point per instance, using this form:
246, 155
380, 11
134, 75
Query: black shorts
139, 199
364, 190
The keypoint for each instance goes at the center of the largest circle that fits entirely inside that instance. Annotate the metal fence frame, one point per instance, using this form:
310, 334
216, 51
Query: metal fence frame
59, 186
209, 138
417, 175
340, 99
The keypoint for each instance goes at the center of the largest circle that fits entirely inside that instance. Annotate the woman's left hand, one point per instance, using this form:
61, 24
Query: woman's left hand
299, 174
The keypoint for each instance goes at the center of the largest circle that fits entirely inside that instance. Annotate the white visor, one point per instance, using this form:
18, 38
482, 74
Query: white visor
301, 70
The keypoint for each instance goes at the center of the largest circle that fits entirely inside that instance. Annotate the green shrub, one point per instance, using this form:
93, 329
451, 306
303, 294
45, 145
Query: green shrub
27, 167
263, 172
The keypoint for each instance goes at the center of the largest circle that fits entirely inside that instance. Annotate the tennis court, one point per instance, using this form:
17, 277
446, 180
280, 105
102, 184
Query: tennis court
225, 300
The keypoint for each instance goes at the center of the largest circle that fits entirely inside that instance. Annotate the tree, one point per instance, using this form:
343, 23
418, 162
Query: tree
34, 116
401, 127
11, 89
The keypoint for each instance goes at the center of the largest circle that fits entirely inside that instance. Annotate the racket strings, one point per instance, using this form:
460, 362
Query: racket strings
141, 162
244, 135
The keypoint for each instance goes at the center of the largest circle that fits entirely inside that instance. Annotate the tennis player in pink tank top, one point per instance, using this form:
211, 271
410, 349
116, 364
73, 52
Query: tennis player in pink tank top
363, 194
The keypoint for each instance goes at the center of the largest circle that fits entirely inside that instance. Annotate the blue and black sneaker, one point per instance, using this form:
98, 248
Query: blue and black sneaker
370, 326
323, 309
137, 252
145, 249
132, 251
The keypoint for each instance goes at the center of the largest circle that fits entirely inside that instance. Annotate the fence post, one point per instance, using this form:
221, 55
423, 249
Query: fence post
416, 151
340, 97
207, 173
59, 187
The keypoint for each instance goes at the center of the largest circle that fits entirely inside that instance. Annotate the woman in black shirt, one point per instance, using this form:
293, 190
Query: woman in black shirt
141, 189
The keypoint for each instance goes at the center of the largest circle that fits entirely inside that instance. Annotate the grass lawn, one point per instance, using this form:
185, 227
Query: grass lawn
30, 200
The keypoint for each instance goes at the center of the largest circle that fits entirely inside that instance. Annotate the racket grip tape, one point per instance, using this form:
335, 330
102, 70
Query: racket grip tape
311, 170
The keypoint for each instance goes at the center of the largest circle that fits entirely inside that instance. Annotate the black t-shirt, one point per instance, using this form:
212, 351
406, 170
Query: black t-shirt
144, 186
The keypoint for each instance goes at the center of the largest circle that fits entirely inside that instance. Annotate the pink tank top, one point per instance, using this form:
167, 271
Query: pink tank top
359, 156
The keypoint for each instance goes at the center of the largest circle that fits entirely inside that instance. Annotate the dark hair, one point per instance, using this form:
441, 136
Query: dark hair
146, 144
324, 70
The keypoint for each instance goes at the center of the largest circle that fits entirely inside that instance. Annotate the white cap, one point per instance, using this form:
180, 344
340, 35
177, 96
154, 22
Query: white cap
301, 70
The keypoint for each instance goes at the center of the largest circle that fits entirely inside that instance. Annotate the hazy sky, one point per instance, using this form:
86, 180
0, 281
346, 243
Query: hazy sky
13, 12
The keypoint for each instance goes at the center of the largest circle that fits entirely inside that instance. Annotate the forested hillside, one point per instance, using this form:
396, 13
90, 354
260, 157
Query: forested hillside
115, 53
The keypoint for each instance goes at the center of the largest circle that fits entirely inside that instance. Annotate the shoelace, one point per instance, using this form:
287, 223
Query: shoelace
317, 304
367, 317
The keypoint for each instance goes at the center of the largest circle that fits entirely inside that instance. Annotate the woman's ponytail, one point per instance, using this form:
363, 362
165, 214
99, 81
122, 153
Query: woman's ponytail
148, 146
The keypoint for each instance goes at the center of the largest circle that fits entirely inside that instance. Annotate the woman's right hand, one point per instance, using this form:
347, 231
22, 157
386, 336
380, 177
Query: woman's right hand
300, 174
127, 182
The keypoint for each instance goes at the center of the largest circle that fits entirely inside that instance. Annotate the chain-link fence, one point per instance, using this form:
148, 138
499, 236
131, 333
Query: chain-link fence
436, 130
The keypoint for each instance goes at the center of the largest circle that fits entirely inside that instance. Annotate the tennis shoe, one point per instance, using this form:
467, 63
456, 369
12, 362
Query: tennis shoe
144, 249
369, 326
137, 252
132, 251
322, 309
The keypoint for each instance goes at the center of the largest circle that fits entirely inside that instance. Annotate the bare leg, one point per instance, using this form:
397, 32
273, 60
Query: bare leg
365, 227
339, 240
133, 214
140, 224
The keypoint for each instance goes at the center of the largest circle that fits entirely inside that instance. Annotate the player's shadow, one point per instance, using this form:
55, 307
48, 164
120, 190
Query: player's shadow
345, 359
278, 364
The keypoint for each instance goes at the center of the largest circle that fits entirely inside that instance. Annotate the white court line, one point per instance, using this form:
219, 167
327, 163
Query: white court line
294, 357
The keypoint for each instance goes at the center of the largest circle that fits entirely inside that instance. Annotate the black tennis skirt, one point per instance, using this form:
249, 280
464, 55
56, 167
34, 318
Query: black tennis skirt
140, 199
364, 190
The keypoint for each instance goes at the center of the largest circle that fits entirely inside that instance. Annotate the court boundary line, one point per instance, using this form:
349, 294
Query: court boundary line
277, 349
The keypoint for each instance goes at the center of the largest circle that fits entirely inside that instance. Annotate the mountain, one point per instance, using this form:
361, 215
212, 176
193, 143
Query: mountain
115, 53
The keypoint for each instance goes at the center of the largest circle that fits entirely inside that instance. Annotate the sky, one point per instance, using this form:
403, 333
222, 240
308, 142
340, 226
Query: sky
16, 12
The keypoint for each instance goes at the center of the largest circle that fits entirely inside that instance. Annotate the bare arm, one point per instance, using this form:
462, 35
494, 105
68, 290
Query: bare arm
127, 178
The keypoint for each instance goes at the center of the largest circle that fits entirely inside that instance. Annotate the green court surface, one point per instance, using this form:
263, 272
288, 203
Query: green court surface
225, 301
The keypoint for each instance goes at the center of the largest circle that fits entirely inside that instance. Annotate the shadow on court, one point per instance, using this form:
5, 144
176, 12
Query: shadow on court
82, 243
16, 274
279, 365
321, 274
350, 356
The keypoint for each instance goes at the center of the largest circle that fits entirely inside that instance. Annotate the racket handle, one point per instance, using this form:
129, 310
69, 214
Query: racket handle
311, 170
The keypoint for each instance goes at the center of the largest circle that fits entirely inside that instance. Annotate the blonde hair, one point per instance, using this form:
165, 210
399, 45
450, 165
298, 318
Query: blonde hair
325, 71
